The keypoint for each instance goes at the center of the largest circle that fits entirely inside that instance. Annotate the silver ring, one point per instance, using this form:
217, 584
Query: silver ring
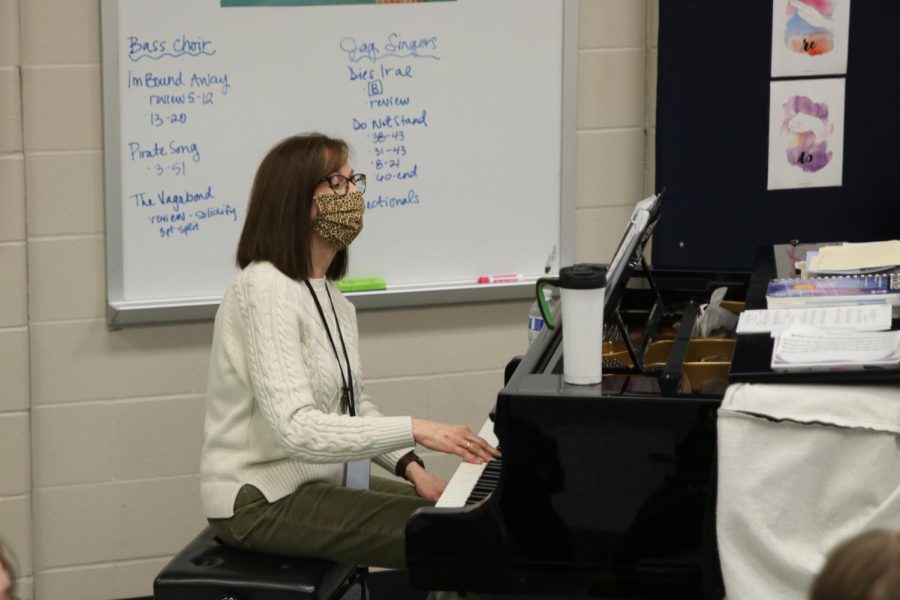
468, 445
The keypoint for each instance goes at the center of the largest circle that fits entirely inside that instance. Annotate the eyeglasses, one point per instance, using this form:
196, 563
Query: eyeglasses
340, 184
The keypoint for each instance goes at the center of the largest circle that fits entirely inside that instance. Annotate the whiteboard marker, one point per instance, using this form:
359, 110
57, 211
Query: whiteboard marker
499, 278
367, 284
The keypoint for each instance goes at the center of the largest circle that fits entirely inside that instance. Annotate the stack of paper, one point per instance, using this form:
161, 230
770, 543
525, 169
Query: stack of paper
854, 318
849, 259
800, 347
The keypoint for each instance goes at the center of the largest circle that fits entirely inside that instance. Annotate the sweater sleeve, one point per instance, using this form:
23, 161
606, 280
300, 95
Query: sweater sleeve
367, 408
282, 388
387, 461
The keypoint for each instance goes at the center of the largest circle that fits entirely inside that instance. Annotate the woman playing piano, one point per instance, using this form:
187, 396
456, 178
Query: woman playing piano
288, 425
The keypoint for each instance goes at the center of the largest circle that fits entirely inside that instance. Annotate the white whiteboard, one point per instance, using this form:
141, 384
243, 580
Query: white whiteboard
461, 114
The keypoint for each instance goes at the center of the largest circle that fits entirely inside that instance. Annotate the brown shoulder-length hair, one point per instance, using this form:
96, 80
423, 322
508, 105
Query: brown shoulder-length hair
865, 567
278, 227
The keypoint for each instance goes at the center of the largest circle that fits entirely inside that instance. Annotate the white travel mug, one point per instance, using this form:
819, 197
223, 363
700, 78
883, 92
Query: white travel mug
582, 290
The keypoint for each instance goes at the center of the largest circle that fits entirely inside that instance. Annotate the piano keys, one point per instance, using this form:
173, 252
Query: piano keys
471, 483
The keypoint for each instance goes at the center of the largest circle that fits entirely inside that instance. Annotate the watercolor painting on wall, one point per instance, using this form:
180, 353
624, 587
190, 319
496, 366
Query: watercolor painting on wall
810, 37
806, 133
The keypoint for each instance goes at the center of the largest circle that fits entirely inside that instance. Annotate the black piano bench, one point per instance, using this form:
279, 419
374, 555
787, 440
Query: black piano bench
207, 569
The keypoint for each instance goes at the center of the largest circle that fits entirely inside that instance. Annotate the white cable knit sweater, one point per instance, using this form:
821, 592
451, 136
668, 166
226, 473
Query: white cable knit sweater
273, 414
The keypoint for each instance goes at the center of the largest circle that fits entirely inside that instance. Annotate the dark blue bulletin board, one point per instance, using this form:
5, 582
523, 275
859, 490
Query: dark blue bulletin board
712, 137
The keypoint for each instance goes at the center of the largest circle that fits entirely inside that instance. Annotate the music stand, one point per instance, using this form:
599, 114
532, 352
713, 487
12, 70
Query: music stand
630, 253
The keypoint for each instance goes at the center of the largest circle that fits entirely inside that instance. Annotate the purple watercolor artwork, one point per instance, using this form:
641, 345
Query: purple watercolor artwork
807, 128
806, 133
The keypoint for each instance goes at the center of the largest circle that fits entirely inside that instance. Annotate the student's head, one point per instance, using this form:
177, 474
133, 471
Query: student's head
279, 223
865, 567
7, 574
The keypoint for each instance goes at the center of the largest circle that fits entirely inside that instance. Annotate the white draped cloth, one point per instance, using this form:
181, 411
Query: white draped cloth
801, 468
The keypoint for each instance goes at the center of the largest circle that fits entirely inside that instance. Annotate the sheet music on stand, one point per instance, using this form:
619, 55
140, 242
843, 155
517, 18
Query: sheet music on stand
632, 240
629, 253
801, 347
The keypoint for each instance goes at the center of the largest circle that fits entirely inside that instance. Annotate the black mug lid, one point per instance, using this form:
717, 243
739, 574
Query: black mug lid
583, 276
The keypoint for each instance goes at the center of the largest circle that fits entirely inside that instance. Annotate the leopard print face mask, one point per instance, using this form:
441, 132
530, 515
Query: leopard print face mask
340, 218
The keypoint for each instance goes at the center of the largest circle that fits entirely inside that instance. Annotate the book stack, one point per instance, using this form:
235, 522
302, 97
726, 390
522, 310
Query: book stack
839, 275
838, 290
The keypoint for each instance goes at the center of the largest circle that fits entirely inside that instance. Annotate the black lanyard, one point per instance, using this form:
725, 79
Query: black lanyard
347, 390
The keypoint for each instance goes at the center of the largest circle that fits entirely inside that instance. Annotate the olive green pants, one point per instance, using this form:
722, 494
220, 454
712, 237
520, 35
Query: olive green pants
322, 520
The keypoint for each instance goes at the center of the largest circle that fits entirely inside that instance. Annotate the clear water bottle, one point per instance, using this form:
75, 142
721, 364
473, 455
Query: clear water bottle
535, 318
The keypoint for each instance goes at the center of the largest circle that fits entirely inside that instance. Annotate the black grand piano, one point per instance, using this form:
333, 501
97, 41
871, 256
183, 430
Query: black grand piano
603, 491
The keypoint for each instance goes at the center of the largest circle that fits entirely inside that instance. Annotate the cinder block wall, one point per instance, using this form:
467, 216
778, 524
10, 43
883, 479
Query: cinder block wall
100, 431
